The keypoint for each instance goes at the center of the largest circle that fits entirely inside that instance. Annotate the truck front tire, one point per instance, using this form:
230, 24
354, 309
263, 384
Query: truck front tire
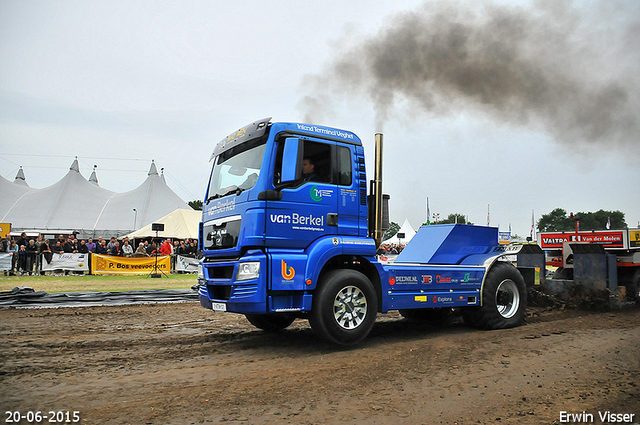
270, 322
344, 307
504, 299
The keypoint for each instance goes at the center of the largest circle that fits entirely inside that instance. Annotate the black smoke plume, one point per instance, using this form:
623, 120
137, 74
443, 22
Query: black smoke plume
571, 72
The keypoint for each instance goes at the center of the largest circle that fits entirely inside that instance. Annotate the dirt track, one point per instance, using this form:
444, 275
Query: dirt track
179, 363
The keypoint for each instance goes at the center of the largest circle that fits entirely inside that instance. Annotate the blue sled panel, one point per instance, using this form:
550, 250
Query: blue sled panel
448, 244
433, 299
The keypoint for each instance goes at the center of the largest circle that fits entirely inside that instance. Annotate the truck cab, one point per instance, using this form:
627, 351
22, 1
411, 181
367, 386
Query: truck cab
263, 221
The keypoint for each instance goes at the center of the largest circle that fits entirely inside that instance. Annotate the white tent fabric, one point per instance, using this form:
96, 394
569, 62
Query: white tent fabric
76, 205
180, 224
151, 200
10, 193
408, 231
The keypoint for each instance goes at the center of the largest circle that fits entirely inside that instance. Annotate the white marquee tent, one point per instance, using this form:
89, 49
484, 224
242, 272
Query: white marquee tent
408, 231
76, 205
180, 224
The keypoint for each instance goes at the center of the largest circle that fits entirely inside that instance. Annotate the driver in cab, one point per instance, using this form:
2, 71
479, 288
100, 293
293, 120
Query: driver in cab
308, 170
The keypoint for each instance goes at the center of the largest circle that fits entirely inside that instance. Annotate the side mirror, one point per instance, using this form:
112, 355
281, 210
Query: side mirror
291, 160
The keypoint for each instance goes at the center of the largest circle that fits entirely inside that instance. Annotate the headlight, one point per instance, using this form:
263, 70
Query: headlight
250, 270
200, 272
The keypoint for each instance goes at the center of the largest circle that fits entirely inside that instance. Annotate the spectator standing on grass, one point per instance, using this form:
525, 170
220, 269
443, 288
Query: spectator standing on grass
45, 254
5, 243
22, 240
115, 248
91, 245
102, 248
111, 243
180, 250
32, 252
22, 259
58, 247
196, 249
12, 249
165, 247
127, 250
141, 251
68, 246
82, 248
39, 243
187, 248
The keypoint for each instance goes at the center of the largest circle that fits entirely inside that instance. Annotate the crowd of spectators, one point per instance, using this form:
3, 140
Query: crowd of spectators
28, 254
390, 249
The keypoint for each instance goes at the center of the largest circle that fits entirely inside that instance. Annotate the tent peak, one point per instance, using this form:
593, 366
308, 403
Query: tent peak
153, 171
75, 166
94, 178
20, 179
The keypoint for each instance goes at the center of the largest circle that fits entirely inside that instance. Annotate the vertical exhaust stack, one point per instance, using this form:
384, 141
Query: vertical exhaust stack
376, 228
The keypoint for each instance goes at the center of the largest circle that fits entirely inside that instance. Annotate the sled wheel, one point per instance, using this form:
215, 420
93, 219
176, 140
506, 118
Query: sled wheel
504, 299
434, 316
344, 307
270, 322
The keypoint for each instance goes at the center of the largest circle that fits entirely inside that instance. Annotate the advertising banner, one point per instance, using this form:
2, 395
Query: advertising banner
634, 238
107, 264
5, 229
609, 238
186, 264
5, 261
68, 261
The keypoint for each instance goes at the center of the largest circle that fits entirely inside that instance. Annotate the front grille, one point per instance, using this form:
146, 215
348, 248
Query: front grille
245, 290
222, 272
224, 292
219, 292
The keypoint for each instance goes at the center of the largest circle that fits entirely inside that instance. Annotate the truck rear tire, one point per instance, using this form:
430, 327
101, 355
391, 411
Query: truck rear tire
344, 307
270, 322
504, 299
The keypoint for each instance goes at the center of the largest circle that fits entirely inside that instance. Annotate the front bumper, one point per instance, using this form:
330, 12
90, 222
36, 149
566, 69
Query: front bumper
219, 285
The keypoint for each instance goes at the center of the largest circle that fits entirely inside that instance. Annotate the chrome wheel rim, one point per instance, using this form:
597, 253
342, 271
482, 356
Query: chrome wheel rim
507, 298
350, 307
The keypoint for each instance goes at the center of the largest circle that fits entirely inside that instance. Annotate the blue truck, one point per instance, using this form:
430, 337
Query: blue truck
291, 229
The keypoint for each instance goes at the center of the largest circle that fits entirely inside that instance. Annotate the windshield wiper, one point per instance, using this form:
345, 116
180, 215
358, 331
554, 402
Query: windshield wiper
237, 191
211, 198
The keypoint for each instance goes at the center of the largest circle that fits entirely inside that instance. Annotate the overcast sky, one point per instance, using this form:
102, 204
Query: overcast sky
520, 106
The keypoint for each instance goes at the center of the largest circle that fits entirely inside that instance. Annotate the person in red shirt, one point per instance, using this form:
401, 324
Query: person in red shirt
165, 248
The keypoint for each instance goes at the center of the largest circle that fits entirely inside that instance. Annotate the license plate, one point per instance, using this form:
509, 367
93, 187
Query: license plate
218, 307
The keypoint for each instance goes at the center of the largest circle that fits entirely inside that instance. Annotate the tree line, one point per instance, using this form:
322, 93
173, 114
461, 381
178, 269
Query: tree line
558, 220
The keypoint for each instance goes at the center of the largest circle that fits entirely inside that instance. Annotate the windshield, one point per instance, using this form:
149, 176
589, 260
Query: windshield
236, 170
